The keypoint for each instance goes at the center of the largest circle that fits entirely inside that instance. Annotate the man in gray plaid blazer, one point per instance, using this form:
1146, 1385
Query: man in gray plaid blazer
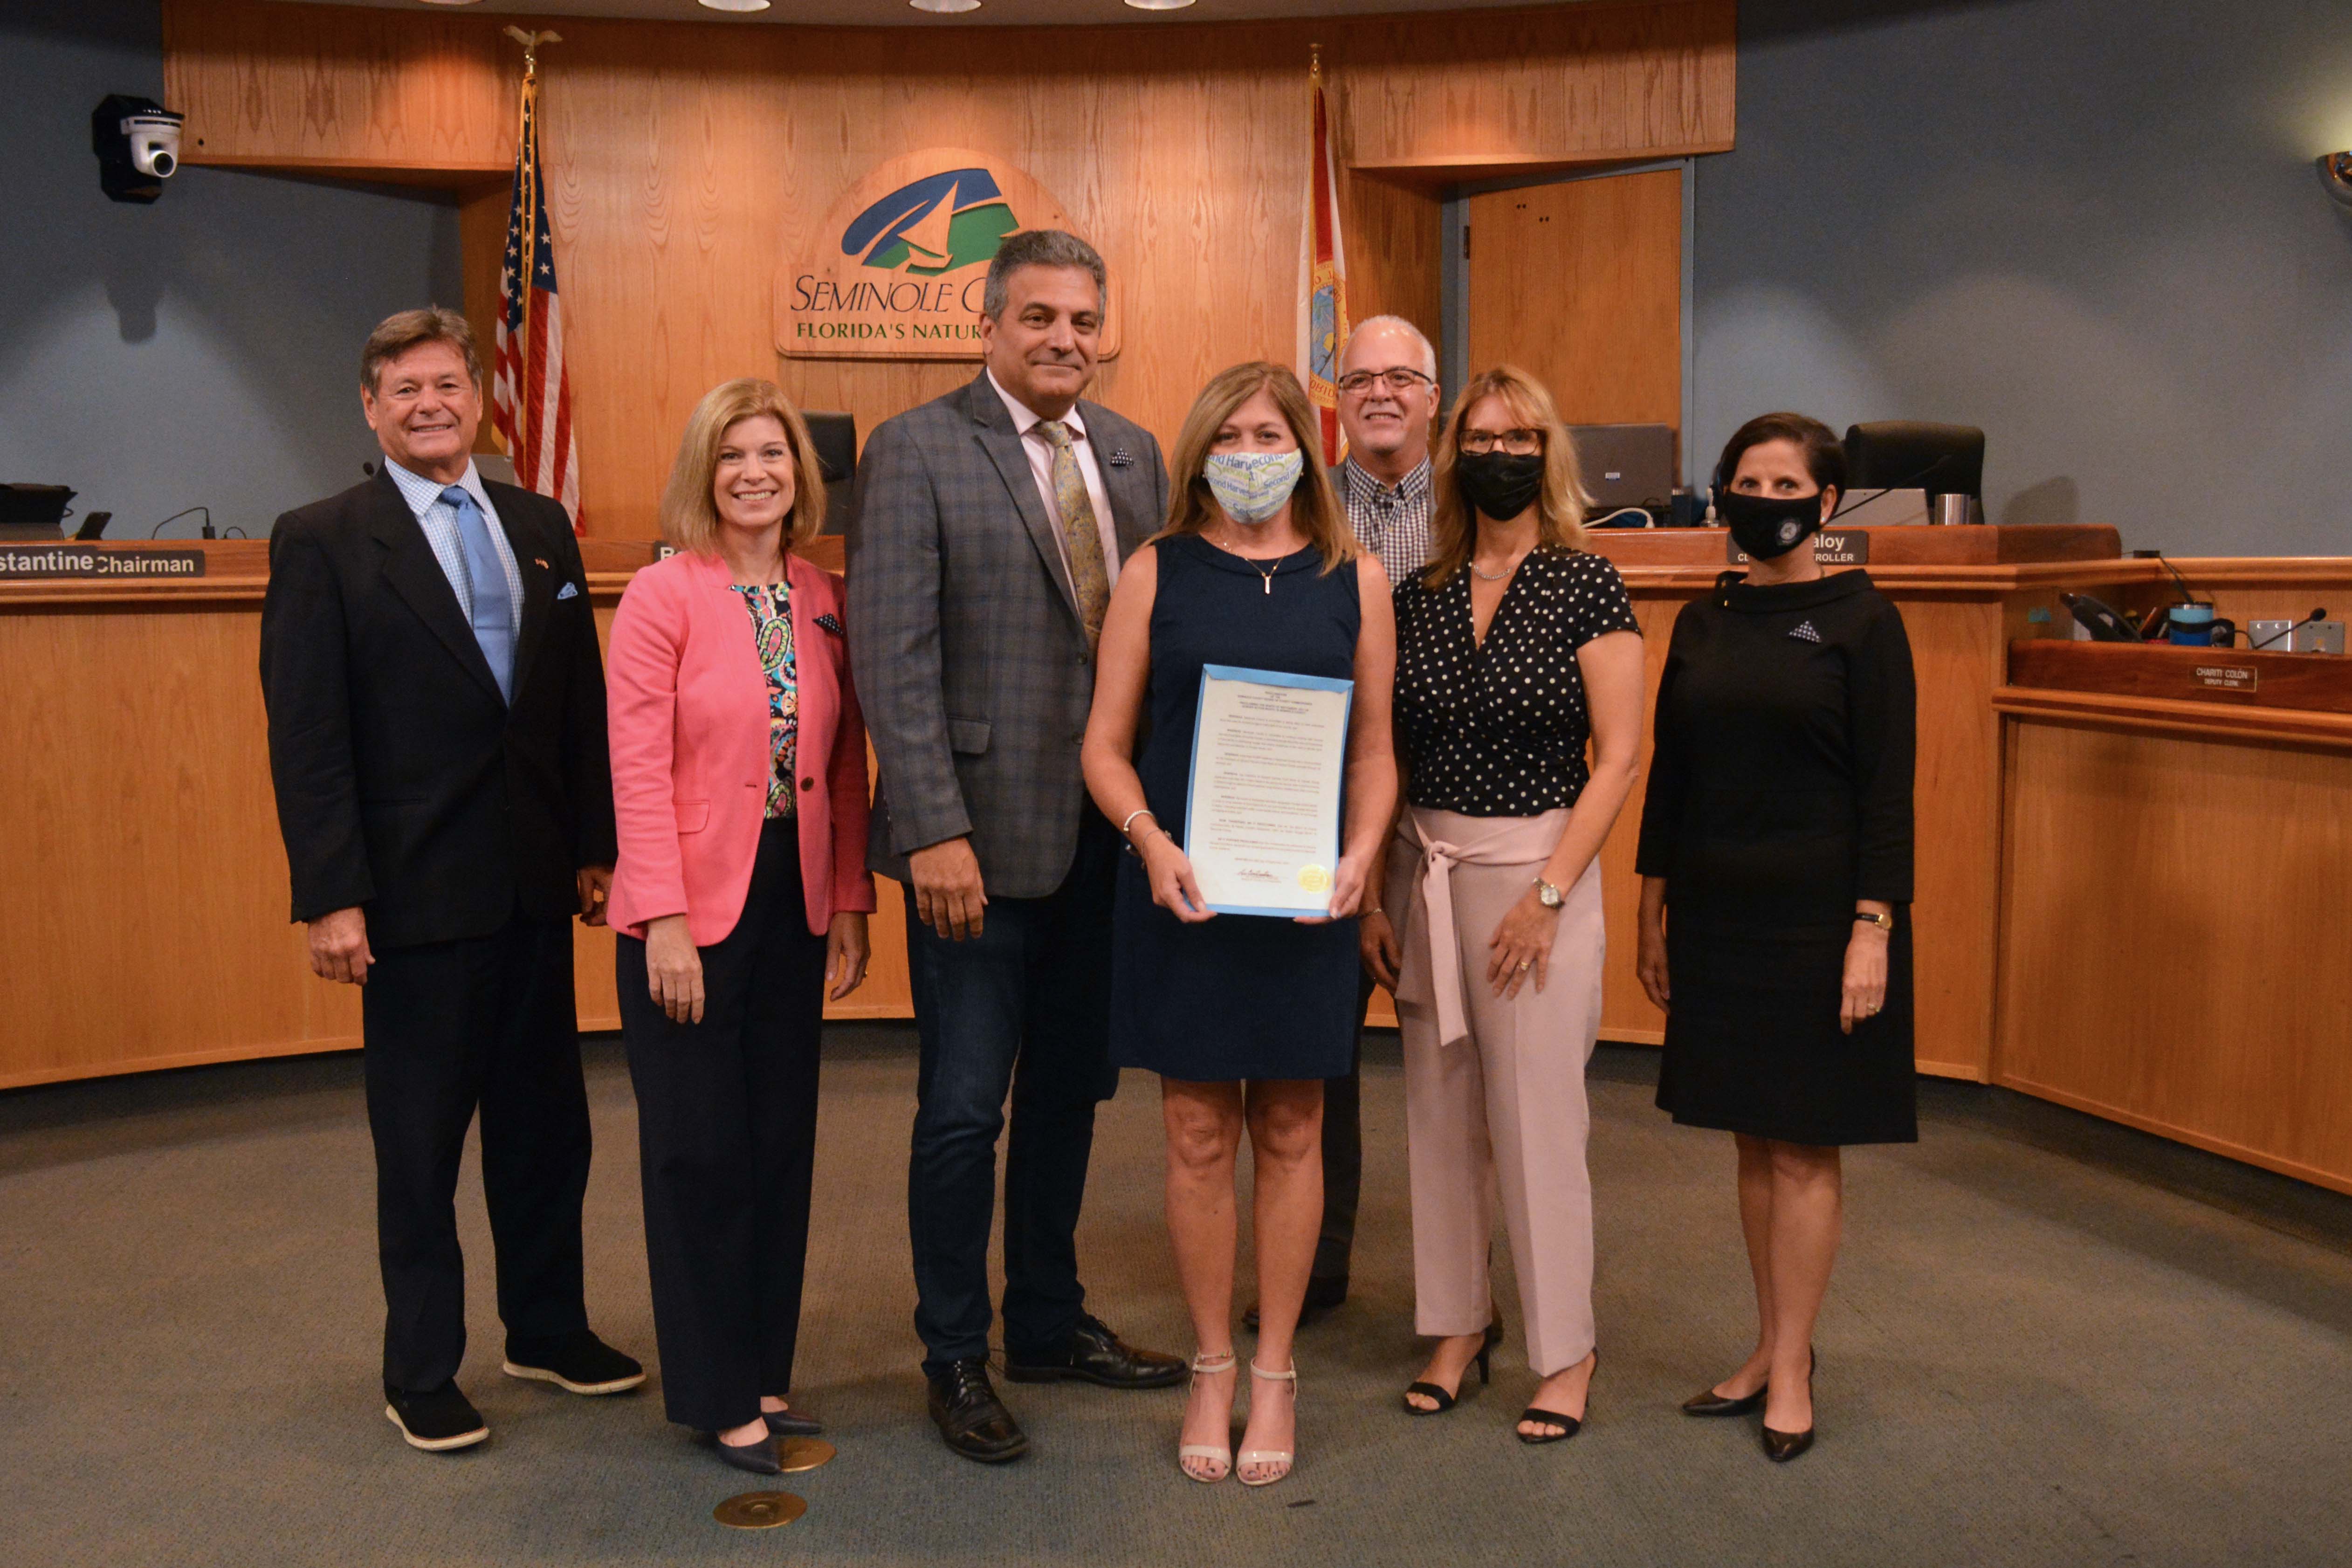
991, 524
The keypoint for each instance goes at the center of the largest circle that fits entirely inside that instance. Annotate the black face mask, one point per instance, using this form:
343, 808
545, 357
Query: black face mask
1501, 484
1766, 527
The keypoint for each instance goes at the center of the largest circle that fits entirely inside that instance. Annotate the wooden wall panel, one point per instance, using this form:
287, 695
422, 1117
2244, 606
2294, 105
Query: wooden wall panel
1581, 285
1481, 91
334, 90
2172, 954
684, 159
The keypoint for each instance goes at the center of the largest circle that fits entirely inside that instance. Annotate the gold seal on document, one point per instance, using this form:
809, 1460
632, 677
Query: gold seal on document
1314, 879
760, 1511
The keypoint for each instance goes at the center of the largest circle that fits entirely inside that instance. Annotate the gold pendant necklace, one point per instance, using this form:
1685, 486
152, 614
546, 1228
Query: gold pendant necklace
1266, 571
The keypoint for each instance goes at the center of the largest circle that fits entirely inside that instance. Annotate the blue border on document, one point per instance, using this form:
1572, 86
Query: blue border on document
1263, 678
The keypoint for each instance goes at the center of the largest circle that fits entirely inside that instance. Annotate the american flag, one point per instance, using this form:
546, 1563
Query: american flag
530, 392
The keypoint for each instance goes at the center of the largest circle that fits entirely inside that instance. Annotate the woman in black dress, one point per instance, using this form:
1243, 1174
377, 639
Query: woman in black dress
1776, 874
1242, 1016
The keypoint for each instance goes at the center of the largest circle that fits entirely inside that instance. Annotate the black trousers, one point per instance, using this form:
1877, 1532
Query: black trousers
727, 1142
486, 1023
1343, 1153
1023, 1008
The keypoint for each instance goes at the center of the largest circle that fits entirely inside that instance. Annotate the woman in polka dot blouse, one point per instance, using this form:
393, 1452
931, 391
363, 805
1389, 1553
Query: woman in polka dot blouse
1515, 647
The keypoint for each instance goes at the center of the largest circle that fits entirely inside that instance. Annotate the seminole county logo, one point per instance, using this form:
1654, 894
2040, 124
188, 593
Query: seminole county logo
897, 267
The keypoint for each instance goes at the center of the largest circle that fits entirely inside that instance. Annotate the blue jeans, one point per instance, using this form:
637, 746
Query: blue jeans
1024, 1009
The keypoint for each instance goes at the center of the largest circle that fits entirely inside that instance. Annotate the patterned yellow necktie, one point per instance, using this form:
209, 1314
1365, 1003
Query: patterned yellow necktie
1081, 537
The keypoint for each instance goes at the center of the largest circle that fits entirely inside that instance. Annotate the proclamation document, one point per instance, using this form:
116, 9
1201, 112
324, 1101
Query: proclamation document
1262, 822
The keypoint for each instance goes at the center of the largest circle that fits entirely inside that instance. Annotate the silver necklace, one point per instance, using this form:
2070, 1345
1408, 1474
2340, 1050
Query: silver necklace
1494, 576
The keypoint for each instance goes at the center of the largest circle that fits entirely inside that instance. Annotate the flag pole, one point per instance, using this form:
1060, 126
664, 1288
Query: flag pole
526, 195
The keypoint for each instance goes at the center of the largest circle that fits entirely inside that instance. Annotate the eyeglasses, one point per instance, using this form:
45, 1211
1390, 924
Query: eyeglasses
1515, 443
1398, 378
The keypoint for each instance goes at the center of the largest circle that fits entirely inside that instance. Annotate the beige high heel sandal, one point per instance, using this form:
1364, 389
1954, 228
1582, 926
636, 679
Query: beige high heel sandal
1222, 1454
1282, 1457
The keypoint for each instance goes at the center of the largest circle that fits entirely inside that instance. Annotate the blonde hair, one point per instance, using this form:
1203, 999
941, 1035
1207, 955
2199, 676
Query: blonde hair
689, 517
1315, 507
1560, 504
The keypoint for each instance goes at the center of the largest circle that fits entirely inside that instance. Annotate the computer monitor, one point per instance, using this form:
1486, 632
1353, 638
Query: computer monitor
836, 435
1626, 465
1910, 454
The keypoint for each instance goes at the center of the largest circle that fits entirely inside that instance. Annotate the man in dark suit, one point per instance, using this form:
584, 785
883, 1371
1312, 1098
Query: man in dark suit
436, 740
991, 524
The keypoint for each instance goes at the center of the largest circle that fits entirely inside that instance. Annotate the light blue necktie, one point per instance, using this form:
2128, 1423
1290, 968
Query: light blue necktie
492, 611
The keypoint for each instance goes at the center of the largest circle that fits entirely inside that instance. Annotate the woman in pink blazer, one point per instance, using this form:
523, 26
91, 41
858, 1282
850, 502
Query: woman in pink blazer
738, 784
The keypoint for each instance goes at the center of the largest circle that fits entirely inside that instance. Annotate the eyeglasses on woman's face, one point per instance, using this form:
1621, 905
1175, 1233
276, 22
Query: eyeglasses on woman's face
1396, 378
1522, 443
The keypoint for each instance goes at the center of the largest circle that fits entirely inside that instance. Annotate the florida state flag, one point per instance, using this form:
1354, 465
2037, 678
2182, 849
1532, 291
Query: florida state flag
1323, 274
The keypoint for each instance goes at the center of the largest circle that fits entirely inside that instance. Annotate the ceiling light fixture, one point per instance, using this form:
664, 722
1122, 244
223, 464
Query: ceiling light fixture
944, 8
453, 2
735, 4
2336, 173
1160, 4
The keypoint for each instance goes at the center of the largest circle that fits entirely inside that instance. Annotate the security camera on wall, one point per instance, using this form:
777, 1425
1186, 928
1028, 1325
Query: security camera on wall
138, 145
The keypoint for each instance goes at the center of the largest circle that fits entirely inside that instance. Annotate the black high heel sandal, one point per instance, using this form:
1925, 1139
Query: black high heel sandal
1569, 1425
1445, 1402
1783, 1446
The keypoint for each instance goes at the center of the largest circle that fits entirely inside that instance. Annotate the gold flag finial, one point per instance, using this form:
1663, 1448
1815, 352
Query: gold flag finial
530, 42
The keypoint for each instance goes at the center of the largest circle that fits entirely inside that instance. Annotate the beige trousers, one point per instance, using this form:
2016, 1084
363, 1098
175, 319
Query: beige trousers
1502, 1112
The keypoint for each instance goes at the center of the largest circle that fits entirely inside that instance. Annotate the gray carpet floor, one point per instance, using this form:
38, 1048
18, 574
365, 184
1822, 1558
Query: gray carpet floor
2049, 1341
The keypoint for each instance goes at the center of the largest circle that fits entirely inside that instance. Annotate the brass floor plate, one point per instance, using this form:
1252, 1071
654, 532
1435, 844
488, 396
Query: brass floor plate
760, 1511
797, 1454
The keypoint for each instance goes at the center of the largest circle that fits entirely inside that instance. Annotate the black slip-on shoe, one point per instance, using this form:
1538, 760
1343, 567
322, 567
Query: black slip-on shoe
577, 1363
972, 1420
1095, 1354
791, 1424
759, 1457
436, 1422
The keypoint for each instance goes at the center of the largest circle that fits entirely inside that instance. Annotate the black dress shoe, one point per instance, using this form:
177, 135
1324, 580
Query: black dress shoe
1707, 1402
758, 1456
970, 1418
435, 1422
791, 1424
577, 1363
1783, 1446
1324, 1296
1095, 1354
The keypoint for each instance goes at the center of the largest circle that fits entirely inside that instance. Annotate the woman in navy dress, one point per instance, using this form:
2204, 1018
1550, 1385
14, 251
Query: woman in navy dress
1243, 1016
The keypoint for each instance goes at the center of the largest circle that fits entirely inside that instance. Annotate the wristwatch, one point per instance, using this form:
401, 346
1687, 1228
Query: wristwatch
1547, 895
1884, 922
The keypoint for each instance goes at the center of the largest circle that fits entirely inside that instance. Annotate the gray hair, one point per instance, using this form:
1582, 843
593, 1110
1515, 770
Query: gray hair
1398, 323
406, 330
1038, 247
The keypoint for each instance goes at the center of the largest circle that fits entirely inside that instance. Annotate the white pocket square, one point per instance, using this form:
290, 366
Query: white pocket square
569, 591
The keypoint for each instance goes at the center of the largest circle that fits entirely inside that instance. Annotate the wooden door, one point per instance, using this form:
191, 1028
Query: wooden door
1581, 285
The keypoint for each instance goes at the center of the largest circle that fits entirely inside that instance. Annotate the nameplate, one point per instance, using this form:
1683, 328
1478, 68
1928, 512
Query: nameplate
32, 562
2227, 676
1832, 547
